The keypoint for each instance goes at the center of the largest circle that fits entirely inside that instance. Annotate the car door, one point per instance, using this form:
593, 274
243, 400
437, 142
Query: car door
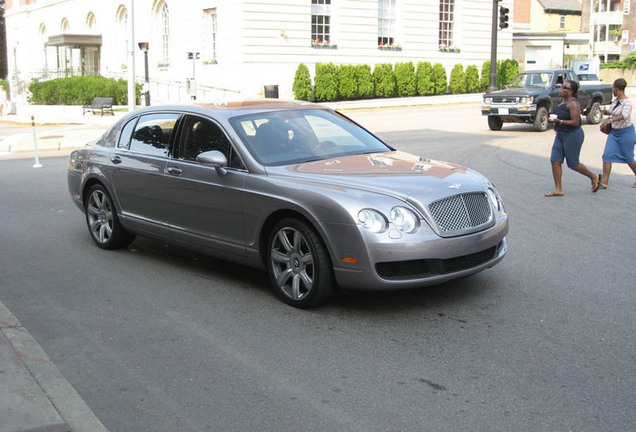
203, 203
138, 165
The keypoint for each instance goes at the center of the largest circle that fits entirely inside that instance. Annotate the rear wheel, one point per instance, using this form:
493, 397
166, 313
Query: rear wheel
298, 264
594, 115
541, 120
102, 221
495, 123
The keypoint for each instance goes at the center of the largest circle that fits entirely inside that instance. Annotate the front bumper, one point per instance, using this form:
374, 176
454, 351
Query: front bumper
418, 261
508, 110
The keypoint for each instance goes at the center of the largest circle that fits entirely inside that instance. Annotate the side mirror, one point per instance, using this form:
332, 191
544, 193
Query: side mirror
214, 159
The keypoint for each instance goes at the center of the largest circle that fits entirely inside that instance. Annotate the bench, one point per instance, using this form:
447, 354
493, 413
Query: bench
99, 104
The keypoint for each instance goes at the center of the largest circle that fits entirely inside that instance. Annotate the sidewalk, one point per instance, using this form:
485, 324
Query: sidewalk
74, 130
34, 396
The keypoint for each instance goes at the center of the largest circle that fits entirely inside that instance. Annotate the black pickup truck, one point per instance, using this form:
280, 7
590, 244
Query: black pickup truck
532, 96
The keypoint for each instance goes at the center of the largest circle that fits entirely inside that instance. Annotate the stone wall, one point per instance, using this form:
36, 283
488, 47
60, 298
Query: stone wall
609, 75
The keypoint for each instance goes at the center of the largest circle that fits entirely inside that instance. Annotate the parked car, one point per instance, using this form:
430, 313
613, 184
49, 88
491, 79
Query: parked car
294, 188
532, 96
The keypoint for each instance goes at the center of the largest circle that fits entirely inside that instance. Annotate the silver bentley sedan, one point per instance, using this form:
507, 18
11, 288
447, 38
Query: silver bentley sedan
295, 188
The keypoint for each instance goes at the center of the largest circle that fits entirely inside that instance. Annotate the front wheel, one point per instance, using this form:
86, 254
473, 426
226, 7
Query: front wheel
298, 264
594, 115
541, 120
495, 123
102, 221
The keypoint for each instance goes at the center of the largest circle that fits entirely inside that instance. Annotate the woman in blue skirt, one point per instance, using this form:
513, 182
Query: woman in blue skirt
620, 141
568, 140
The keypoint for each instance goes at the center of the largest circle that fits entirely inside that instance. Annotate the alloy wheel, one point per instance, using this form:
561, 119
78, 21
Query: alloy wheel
292, 263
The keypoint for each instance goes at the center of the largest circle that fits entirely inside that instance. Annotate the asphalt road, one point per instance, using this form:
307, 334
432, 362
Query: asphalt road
155, 338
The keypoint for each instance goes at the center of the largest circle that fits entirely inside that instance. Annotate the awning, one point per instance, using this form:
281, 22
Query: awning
75, 40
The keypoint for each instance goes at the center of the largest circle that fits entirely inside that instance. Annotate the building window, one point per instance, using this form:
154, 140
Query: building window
121, 41
91, 22
626, 7
386, 22
562, 22
625, 37
446, 17
320, 21
165, 34
64, 26
209, 40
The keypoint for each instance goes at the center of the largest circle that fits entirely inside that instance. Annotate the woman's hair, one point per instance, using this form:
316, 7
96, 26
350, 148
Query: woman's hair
620, 84
575, 88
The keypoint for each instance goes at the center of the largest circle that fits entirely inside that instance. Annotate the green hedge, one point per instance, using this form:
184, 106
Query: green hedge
506, 70
348, 84
629, 62
364, 77
385, 82
458, 79
472, 79
326, 82
302, 83
405, 79
80, 90
424, 79
438, 76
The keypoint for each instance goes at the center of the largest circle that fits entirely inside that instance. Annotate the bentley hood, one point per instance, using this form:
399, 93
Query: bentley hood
402, 175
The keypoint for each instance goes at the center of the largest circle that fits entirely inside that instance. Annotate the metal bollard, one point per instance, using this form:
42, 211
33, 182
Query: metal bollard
35, 145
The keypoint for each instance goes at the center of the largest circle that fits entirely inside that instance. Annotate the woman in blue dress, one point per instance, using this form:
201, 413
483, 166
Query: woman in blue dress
620, 141
568, 140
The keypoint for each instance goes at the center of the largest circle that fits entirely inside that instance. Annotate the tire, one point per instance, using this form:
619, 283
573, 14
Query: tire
594, 115
495, 123
102, 221
298, 264
541, 120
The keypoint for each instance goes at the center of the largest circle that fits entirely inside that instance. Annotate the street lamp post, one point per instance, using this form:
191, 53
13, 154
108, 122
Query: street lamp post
144, 46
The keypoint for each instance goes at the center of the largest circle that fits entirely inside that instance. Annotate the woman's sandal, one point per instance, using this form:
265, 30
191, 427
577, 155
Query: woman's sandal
553, 194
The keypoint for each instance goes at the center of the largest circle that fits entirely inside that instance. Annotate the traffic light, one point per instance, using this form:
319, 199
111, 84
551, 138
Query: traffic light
503, 17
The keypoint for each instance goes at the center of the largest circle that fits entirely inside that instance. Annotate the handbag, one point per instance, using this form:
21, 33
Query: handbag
606, 128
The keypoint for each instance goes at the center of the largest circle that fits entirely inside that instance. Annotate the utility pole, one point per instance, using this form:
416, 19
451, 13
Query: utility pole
492, 83
502, 13
132, 94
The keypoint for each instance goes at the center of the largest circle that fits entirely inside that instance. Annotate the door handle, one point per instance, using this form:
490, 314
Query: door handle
174, 171
115, 159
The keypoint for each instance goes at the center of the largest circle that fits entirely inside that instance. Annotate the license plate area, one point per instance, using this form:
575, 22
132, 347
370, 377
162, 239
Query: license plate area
503, 111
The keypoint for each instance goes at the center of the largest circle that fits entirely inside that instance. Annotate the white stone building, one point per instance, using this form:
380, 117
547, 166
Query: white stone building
243, 45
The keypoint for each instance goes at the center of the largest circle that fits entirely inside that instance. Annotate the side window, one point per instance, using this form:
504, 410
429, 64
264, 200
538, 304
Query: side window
153, 133
126, 133
572, 76
202, 135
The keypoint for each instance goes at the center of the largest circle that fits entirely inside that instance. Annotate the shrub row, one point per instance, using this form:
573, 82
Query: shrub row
349, 82
80, 90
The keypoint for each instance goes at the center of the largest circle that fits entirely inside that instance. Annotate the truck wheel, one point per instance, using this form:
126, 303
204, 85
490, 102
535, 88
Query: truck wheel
594, 115
541, 120
495, 123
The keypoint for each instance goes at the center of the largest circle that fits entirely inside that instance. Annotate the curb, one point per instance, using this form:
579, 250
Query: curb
37, 398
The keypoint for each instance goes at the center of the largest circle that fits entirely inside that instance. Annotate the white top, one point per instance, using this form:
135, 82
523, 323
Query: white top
619, 107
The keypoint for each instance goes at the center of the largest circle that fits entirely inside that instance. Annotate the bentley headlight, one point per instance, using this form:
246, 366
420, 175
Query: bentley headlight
372, 220
495, 200
404, 219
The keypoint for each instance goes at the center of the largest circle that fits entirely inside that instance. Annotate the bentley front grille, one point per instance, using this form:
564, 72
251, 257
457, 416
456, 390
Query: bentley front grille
461, 212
